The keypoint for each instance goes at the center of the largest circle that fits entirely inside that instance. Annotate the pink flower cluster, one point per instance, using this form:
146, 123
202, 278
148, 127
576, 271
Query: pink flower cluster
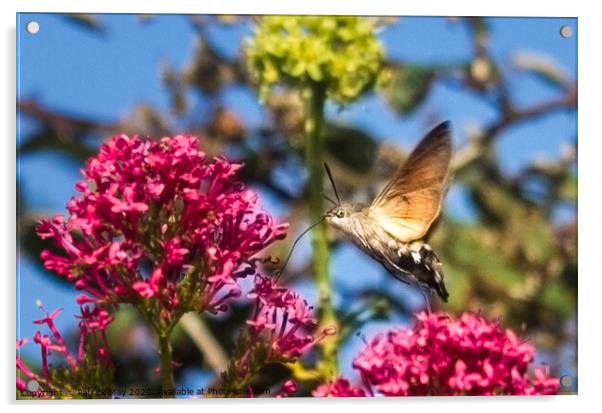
92, 343
280, 331
281, 316
338, 388
154, 216
445, 356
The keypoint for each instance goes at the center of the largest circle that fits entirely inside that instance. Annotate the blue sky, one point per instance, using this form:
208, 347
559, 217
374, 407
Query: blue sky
69, 69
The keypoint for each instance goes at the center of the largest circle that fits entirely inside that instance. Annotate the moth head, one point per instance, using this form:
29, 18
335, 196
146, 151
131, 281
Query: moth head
340, 215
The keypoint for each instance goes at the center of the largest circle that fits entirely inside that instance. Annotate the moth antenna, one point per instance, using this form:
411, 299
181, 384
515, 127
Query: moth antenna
290, 253
329, 199
332, 182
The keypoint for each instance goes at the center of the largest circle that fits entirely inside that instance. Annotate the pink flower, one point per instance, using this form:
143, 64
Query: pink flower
288, 388
46, 343
281, 317
93, 324
444, 356
157, 220
22, 369
280, 331
339, 388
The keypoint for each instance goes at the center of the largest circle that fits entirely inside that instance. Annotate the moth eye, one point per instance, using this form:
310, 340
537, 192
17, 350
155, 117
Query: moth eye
340, 214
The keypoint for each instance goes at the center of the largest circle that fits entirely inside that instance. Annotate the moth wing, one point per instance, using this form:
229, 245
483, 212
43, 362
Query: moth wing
411, 200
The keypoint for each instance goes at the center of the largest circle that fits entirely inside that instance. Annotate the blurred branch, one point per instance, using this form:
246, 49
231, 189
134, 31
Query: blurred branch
67, 127
543, 67
514, 116
87, 21
200, 334
478, 143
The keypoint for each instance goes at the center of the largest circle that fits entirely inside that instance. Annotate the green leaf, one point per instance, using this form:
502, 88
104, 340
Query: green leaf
352, 147
408, 87
568, 188
558, 298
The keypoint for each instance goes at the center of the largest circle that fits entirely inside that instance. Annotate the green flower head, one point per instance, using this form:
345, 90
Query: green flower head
341, 53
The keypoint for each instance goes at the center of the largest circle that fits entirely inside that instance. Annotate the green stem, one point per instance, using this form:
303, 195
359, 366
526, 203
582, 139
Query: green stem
167, 380
315, 96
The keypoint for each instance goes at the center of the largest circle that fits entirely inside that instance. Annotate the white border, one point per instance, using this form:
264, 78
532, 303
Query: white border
590, 151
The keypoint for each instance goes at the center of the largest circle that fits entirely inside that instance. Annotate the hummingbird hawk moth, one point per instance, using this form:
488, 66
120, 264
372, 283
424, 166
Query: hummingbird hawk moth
392, 228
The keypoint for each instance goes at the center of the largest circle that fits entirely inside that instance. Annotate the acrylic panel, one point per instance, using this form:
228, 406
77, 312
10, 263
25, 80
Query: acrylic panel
295, 206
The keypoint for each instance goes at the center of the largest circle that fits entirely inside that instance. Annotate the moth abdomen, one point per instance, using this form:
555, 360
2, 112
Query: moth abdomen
424, 265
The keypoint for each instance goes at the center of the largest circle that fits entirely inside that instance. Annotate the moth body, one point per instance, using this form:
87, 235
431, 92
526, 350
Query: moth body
410, 262
392, 228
